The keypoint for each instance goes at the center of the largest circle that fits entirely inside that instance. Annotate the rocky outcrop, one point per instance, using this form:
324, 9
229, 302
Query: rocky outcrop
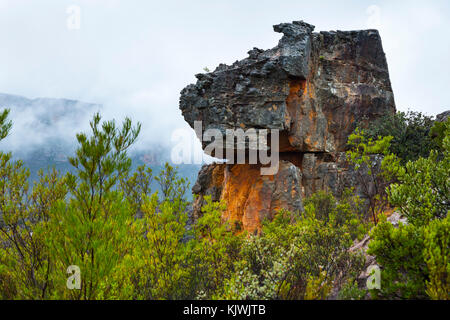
442, 117
314, 89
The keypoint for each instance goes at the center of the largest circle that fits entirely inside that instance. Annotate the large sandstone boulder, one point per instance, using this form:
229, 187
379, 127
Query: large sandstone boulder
314, 88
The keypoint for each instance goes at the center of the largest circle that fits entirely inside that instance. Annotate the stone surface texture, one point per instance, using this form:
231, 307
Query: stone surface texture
315, 88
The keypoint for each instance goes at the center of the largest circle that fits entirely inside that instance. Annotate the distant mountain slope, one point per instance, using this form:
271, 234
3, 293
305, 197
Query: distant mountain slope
49, 111
44, 129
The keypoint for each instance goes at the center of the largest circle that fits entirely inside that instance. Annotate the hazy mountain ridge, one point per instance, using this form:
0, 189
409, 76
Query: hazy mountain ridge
44, 129
50, 110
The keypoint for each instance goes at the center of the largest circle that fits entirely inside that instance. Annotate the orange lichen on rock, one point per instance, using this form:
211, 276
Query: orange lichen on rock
238, 182
251, 197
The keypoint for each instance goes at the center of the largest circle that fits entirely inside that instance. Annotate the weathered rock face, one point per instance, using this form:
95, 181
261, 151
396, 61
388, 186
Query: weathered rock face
250, 197
314, 88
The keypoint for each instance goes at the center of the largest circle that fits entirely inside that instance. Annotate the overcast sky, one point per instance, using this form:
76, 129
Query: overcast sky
135, 56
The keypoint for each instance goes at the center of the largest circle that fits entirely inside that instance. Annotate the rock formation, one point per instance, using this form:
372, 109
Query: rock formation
314, 88
442, 117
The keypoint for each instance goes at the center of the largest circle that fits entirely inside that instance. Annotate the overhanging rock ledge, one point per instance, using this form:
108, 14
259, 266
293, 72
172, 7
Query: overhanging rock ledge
315, 88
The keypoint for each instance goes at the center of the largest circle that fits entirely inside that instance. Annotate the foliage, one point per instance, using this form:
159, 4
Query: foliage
90, 230
437, 133
414, 257
318, 288
214, 250
351, 291
410, 131
298, 257
400, 253
5, 124
437, 257
127, 242
348, 212
136, 187
24, 263
371, 170
158, 262
171, 186
422, 193
133, 243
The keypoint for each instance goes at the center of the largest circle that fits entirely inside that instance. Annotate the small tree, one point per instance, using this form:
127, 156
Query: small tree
158, 263
137, 187
215, 248
25, 265
423, 187
415, 257
372, 173
92, 229
410, 131
399, 251
437, 133
171, 187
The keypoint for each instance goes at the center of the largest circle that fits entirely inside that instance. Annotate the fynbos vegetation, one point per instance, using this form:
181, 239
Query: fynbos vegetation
131, 243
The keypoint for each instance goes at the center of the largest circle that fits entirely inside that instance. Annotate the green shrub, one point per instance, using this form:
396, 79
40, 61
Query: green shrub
414, 258
410, 132
438, 132
132, 243
437, 257
422, 191
299, 256
372, 175
399, 251
351, 291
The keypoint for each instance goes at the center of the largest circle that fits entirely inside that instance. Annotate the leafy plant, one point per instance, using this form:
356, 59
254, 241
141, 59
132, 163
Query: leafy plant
437, 257
410, 132
371, 160
400, 253
299, 257
423, 188
415, 257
